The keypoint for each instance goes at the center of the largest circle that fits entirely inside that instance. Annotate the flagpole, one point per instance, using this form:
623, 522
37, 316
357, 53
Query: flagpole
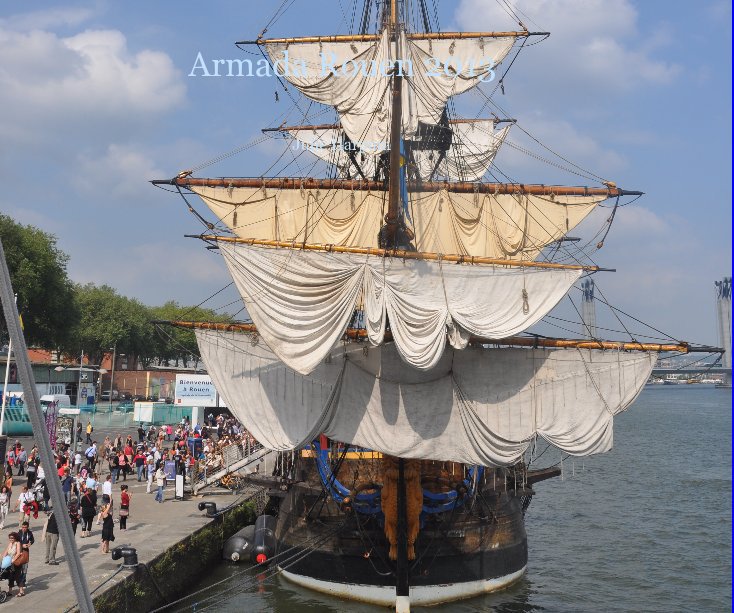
7, 377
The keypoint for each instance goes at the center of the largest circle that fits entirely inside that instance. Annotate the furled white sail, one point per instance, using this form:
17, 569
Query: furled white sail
472, 152
302, 301
512, 226
354, 77
470, 155
477, 406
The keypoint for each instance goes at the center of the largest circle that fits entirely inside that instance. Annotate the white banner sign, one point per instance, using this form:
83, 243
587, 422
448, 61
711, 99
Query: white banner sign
195, 391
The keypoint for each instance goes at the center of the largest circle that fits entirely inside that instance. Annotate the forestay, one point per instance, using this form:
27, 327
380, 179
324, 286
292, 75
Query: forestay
302, 301
477, 406
509, 226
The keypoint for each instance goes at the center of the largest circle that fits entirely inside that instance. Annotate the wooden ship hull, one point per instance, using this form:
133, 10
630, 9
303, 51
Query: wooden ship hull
477, 544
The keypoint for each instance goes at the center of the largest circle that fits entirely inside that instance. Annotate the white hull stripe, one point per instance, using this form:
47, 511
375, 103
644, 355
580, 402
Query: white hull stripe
419, 594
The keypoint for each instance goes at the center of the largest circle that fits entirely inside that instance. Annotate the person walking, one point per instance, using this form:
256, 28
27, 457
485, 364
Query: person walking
107, 486
51, 538
108, 523
139, 461
67, 483
160, 481
14, 551
31, 472
24, 499
4, 505
21, 459
150, 467
26, 539
74, 517
77, 462
124, 506
123, 465
90, 429
91, 455
88, 505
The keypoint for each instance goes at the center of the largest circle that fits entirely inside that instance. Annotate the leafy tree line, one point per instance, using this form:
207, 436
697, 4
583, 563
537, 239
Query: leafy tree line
61, 315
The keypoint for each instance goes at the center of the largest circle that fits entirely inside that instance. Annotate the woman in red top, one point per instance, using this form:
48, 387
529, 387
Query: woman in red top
124, 506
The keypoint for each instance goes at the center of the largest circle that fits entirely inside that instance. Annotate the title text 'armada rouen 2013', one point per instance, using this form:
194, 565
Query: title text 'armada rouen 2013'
286, 67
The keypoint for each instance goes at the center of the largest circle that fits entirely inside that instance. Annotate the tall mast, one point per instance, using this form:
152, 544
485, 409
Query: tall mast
395, 127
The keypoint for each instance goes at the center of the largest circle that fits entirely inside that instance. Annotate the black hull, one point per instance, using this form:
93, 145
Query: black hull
482, 548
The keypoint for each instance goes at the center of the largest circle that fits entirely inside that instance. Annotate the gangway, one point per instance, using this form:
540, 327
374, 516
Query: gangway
235, 457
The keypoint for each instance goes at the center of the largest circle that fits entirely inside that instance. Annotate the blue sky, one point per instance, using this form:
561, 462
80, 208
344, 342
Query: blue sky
96, 101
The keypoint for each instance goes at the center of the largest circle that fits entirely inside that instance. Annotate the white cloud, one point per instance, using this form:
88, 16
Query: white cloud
122, 172
595, 45
171, 267
79, 83
563, 137
47, 19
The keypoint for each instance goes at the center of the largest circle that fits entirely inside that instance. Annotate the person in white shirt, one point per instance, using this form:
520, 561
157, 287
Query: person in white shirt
106, 491
107, 486
4, 505
25, 497
150, 466
78, 461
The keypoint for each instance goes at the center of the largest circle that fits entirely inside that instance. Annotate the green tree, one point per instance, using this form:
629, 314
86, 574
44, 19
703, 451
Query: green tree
108, 320
38, 274
178, 344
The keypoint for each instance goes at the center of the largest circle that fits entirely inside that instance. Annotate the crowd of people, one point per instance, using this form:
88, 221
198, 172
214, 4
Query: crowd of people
88, 475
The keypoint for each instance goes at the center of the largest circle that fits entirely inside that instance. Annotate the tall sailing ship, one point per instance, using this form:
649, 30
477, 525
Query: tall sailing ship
389, 301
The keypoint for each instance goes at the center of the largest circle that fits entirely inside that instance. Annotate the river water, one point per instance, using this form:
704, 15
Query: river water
645, 527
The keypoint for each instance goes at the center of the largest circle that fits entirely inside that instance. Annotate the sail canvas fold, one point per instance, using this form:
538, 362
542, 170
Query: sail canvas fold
472, 151
477, 406
302, 301
511, 226
354, 77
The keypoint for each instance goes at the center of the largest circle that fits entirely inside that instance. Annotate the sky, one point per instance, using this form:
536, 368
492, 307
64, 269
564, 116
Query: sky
96, 100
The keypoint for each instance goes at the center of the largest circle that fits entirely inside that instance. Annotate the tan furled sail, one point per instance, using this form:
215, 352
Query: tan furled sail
514, 226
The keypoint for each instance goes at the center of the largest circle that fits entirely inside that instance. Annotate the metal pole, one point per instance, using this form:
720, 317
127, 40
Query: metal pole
112, 376
5, 387
7, 377
25, 372
79, 385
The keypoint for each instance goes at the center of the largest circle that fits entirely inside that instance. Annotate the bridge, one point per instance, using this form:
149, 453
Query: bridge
234, 458
661, 373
